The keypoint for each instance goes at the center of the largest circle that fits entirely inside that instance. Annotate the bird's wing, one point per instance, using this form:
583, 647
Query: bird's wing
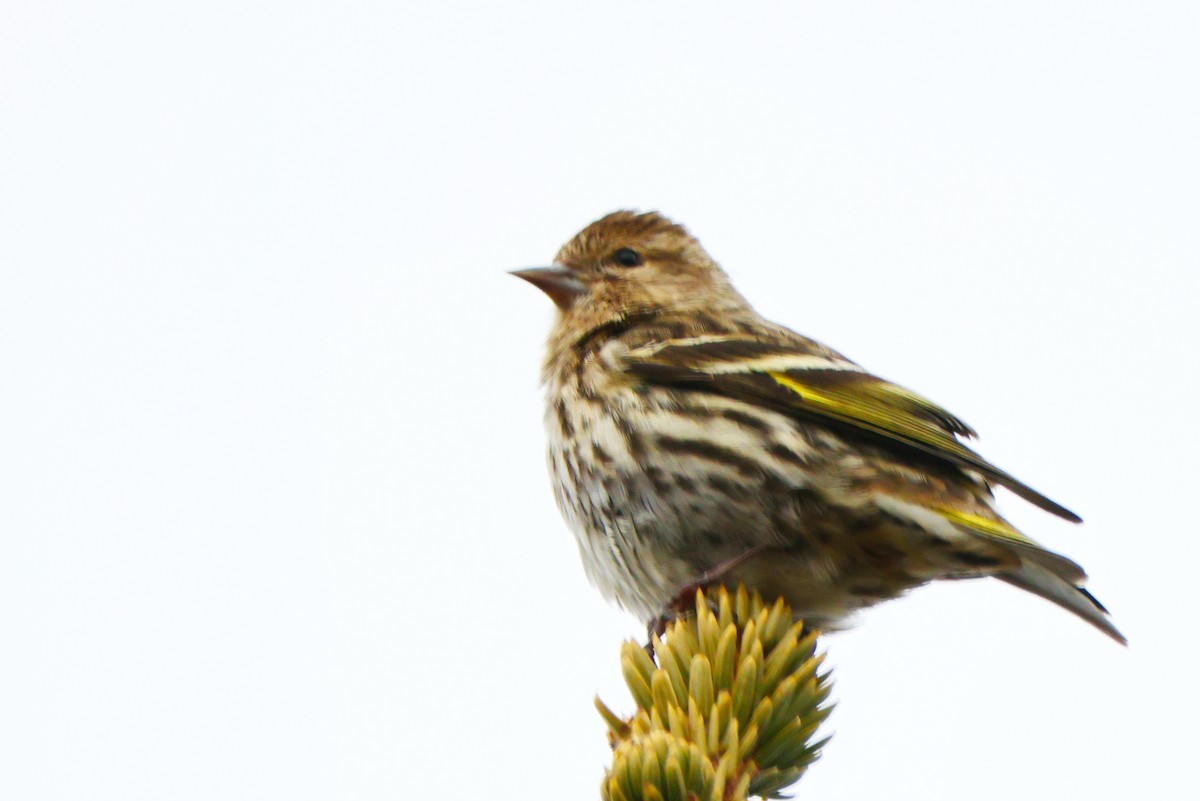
799, 377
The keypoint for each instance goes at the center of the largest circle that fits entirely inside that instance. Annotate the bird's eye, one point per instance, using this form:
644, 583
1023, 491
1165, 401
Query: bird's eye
627, 257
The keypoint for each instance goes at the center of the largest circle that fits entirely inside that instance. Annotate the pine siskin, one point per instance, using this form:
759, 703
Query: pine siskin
691, 441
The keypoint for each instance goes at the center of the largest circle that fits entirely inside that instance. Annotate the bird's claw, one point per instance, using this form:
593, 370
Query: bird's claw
683, 598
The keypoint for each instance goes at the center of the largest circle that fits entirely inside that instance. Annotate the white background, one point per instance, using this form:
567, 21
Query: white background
274, 522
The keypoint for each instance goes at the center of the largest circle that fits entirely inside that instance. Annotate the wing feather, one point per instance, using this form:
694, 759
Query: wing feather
802, 378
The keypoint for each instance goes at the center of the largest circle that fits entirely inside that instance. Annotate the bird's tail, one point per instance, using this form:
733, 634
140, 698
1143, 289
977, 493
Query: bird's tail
1040, 579
1019, 560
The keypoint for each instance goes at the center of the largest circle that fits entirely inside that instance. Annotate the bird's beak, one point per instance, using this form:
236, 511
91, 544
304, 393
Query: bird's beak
557, 281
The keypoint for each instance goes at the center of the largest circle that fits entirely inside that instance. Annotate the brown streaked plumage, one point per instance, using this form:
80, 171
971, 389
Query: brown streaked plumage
686, 432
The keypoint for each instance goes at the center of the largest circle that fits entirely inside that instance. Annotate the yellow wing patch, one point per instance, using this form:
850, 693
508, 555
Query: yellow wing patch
881, 413
1028, 550
983, 525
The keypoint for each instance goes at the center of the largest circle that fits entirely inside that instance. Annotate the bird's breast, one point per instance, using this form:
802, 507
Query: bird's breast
659, 485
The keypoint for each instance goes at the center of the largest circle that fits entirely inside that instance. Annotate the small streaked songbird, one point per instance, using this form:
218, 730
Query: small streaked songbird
691, 441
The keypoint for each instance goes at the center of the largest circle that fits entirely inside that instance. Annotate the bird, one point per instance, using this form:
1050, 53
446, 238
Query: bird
692, 441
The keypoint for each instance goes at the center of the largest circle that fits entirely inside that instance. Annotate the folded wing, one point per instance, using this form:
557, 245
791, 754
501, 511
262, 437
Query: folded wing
801, 378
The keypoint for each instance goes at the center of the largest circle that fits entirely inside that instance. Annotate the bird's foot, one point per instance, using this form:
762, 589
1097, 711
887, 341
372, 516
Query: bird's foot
683, 598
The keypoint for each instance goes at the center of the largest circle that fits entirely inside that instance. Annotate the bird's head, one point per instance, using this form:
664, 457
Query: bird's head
629, 264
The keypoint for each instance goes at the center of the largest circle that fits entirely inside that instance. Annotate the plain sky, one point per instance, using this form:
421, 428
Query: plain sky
274, 517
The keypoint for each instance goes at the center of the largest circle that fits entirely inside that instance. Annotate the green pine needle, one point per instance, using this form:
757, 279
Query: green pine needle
726, 709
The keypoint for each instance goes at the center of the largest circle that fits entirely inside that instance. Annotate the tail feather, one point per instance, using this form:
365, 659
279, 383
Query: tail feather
1040, 580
